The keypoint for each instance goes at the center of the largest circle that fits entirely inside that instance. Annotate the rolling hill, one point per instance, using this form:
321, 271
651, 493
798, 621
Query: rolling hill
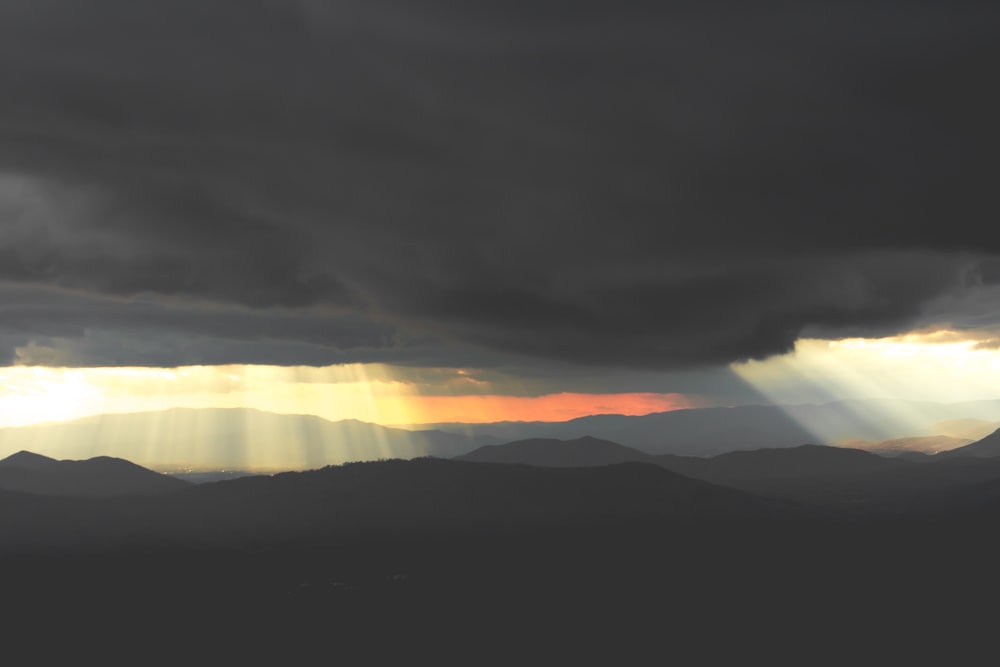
815, 476
100, 476
382, 499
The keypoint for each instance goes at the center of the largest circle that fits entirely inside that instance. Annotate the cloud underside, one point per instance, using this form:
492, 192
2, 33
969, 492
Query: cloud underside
663, 185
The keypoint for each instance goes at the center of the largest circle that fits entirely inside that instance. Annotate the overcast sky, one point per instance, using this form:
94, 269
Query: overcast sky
546, 187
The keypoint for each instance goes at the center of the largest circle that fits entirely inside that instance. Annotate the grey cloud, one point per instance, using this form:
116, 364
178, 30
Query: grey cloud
100, 330
637, 183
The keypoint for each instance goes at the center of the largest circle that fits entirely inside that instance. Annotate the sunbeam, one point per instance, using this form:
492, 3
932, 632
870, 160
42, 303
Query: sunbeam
892, 374
231, 416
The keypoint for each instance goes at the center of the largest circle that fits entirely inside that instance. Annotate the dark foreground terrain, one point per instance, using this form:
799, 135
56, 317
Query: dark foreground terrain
721, 593
438, 561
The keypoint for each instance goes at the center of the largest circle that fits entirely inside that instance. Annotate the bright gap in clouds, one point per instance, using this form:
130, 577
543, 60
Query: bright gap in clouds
940, 367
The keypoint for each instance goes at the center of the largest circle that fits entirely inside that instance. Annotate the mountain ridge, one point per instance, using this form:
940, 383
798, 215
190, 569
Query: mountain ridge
27, 472
229, 439
988, 447
707, 431
551, 452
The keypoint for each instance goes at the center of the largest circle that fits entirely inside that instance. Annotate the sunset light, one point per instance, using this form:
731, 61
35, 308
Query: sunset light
934, 366
368, 393
940, 366
548, 331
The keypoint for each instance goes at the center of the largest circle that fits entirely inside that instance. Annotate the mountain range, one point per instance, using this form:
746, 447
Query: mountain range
194, 442
130, 506
517, 485
559, 536
185, 439
814, 476
716, 430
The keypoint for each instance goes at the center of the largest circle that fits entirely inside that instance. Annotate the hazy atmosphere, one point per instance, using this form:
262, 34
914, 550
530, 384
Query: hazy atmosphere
493, 211
242, 236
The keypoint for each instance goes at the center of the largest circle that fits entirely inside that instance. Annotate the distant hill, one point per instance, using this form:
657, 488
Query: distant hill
550, 452
828, 478
796, 463
695, 432
968, 428
447, 495
385, 498
230, 439
767, 463
101, 476
220, 441
717, 430
843, 479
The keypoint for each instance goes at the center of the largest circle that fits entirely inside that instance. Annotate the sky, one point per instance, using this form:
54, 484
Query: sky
471, 211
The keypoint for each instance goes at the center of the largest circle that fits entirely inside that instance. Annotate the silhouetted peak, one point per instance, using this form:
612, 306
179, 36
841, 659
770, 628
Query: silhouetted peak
111, 461
26, 459
96, 476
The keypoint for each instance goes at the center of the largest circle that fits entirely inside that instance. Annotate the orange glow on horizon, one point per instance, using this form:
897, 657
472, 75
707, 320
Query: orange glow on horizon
369, 393
478, 409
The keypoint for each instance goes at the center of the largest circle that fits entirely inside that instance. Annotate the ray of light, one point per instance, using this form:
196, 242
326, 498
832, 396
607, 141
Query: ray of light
890, 374
168, 436
176, 435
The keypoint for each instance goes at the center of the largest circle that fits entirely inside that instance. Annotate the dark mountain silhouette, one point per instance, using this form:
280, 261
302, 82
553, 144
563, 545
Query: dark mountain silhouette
813, 474
100, 476
241, 439
550, 452
387, 498
767, 463
824, 478
26, 460
440, 495
800, 462
404, 555
988, 447
845, 480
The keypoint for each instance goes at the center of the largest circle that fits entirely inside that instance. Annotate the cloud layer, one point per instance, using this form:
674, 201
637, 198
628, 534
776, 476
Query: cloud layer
636, 183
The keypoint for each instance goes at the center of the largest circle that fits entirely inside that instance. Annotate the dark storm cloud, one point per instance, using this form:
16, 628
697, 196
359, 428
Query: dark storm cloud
42, 324
640, 183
